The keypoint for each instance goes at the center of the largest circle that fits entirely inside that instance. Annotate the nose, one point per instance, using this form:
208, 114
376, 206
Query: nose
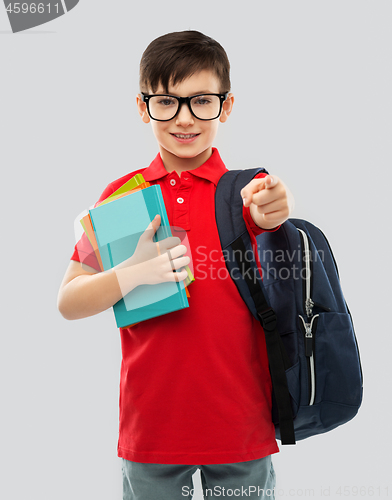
184, 117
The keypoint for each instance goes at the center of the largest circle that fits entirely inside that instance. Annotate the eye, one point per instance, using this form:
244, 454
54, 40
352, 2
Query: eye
166, 101
202, 101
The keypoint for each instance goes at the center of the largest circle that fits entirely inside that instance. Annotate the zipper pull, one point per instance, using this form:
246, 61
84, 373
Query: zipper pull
309, 307
308, 340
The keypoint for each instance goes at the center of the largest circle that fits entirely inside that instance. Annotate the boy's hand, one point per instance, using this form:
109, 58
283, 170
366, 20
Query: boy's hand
158, 259
148, 249
269, 200
154, 262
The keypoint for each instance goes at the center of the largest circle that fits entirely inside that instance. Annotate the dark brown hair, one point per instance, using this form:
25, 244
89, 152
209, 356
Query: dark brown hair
171, 58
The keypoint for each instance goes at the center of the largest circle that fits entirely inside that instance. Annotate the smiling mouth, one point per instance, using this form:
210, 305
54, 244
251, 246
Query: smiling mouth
185, 136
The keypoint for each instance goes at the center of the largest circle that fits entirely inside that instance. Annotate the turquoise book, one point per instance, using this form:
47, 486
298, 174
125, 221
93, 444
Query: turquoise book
118, 226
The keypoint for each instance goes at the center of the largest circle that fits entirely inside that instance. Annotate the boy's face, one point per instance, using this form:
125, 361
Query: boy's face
194, 146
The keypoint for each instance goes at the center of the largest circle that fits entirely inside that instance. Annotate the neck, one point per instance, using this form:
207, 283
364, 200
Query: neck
172, 162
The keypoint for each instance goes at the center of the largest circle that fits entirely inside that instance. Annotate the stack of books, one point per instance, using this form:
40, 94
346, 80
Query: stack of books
114, 228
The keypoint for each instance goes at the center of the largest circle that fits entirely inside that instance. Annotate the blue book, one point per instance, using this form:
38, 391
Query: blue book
118, 226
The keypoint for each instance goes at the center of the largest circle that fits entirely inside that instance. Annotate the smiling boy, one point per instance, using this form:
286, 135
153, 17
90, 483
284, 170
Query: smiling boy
195, 389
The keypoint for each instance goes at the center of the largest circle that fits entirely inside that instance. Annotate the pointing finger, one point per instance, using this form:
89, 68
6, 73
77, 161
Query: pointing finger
250, 189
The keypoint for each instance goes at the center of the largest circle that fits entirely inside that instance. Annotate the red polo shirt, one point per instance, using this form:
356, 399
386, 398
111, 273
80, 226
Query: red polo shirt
195, 386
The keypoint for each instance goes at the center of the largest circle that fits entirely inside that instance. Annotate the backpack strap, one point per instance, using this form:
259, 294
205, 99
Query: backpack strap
235, 239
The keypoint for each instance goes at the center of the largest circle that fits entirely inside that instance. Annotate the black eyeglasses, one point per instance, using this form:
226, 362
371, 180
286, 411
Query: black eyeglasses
163, 107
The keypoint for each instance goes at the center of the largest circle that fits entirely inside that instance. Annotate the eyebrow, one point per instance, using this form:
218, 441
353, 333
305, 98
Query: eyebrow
194, 93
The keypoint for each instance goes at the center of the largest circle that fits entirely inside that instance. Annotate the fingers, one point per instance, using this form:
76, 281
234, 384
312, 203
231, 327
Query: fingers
263, 191
274, 216
179, 275
173, 267
169, 243
177, 251
177, 264
164, 244
166, 256
270, 181
174, 258
275, 206
256, 186
252, 187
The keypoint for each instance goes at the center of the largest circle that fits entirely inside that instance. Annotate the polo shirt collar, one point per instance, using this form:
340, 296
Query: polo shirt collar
212, 170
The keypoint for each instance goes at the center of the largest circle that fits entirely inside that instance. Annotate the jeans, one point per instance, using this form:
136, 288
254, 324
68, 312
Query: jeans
253, 479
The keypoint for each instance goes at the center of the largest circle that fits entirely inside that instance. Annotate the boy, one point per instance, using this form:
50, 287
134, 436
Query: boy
195, 389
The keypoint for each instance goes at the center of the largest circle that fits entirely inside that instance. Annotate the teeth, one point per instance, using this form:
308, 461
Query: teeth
185, 136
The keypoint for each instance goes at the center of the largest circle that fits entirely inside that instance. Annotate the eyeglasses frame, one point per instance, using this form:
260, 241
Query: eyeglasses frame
181, 101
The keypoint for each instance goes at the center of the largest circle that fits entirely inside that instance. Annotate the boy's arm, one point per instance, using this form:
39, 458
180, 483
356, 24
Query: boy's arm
85, 292
269, 200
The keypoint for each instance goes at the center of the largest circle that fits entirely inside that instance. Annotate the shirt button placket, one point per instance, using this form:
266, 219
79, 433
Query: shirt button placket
182, 205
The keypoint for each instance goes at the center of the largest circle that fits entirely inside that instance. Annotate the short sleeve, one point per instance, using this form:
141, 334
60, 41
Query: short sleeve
83, 251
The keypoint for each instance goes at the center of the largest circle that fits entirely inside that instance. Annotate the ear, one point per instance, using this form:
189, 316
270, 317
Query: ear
142, 108
227, 107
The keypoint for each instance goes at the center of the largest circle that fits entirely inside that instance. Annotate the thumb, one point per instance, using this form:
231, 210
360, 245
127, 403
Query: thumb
153, 226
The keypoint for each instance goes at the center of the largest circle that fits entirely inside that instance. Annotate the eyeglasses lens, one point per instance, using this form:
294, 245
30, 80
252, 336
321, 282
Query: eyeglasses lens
205, 107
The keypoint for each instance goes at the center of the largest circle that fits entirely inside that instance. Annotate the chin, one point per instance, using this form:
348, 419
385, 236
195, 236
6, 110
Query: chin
187, 154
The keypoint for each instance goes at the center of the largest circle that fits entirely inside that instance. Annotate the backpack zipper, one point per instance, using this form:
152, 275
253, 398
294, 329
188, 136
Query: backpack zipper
308, 325
307, 279
309, 303
309, 353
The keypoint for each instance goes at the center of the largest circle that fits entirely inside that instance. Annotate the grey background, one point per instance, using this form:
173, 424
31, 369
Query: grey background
313, 104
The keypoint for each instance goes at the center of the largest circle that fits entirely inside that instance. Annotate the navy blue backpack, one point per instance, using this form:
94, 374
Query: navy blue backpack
312, 349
